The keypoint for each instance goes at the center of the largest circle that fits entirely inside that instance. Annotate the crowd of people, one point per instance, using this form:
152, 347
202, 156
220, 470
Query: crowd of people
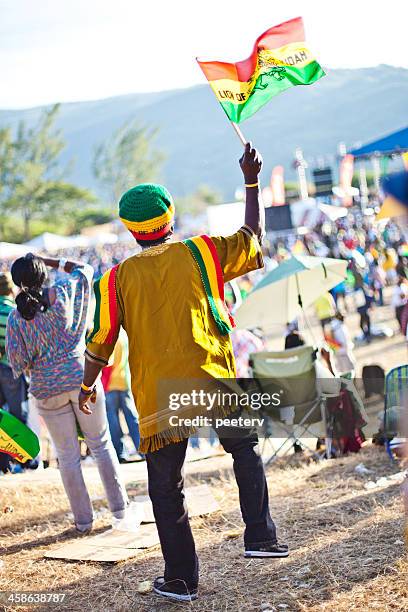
377, 257
44, 317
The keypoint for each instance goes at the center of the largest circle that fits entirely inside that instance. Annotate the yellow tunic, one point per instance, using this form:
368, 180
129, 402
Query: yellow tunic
172, 334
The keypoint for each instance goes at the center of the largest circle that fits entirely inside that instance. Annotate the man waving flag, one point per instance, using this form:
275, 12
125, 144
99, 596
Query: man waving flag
280, 59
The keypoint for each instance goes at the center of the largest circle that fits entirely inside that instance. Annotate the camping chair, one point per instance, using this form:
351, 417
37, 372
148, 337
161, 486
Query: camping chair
291, 374
395, 404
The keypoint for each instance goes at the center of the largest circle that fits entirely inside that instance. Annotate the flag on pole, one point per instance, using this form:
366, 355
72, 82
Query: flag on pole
16, 439
280, 59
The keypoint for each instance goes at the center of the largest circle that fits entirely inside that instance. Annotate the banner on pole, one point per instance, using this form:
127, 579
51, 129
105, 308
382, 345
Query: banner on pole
280, 59
323, 181
278, 186
346, 178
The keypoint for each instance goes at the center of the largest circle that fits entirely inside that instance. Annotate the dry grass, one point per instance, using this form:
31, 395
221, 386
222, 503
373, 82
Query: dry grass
346, 545
347, 551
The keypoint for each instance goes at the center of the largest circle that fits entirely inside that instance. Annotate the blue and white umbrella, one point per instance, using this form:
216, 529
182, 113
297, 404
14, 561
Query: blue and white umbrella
281, 294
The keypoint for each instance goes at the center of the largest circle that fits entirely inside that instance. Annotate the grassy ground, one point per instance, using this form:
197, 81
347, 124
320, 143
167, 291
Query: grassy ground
346, 543
346, 540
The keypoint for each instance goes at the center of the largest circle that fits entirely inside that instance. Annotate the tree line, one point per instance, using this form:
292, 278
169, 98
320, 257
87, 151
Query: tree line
34, 189
36, 194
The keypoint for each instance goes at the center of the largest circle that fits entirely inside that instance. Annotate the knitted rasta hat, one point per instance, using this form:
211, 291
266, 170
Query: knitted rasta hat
147, 211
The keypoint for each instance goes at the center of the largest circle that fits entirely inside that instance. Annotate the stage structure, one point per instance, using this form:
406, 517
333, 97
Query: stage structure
379, 152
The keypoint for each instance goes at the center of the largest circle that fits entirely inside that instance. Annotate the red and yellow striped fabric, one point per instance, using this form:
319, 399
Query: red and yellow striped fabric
106, 321
205, 254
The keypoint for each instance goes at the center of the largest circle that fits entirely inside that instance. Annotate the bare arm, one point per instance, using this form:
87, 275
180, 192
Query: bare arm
91, 373
251, 164
51, 262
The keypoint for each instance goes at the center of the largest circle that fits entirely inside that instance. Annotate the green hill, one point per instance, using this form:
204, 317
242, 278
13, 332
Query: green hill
347, 105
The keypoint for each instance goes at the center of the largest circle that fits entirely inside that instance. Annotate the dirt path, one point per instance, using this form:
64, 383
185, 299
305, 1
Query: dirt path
346, 544
346, 540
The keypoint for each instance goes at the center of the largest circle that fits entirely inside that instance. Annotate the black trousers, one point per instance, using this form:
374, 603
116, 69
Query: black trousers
166, 482
398, 315
365, 323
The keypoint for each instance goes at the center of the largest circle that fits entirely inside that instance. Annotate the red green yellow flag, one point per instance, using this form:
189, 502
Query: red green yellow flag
16, 439
280, 59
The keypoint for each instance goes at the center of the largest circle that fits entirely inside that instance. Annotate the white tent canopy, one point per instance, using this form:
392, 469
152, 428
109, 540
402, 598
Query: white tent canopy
9, 250
102, 238
225, 219
49, 242
309, 212
333, 212
53, 242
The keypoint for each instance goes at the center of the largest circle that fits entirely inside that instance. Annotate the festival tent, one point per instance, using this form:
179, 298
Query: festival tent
102, 238
307, 213
9, 250
49, 242
304, 213
102, 228
77, 240
397, 142
333, 212
53, 242
295, 284
225, 219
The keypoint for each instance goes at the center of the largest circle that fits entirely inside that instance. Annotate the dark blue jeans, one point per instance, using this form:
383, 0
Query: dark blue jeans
13, 398
122, 401
166, 483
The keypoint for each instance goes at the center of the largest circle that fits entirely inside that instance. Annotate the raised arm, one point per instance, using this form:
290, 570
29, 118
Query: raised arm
251, 164
68, 265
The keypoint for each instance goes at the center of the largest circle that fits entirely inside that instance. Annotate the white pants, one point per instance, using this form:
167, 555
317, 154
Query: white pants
61, 414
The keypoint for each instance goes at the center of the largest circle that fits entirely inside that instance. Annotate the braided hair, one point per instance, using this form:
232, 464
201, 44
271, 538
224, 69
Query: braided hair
30, 273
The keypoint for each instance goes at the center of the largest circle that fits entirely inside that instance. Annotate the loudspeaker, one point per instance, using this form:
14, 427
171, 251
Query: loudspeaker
323, 181
278, 218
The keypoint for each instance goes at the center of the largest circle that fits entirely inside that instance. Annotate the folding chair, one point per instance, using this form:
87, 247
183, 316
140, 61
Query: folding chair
291, 374
395, 404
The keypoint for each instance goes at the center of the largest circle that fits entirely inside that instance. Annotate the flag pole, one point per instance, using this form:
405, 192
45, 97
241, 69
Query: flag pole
239, 133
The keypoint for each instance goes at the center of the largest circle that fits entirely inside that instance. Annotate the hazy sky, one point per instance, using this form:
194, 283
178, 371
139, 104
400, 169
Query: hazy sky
65, 50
